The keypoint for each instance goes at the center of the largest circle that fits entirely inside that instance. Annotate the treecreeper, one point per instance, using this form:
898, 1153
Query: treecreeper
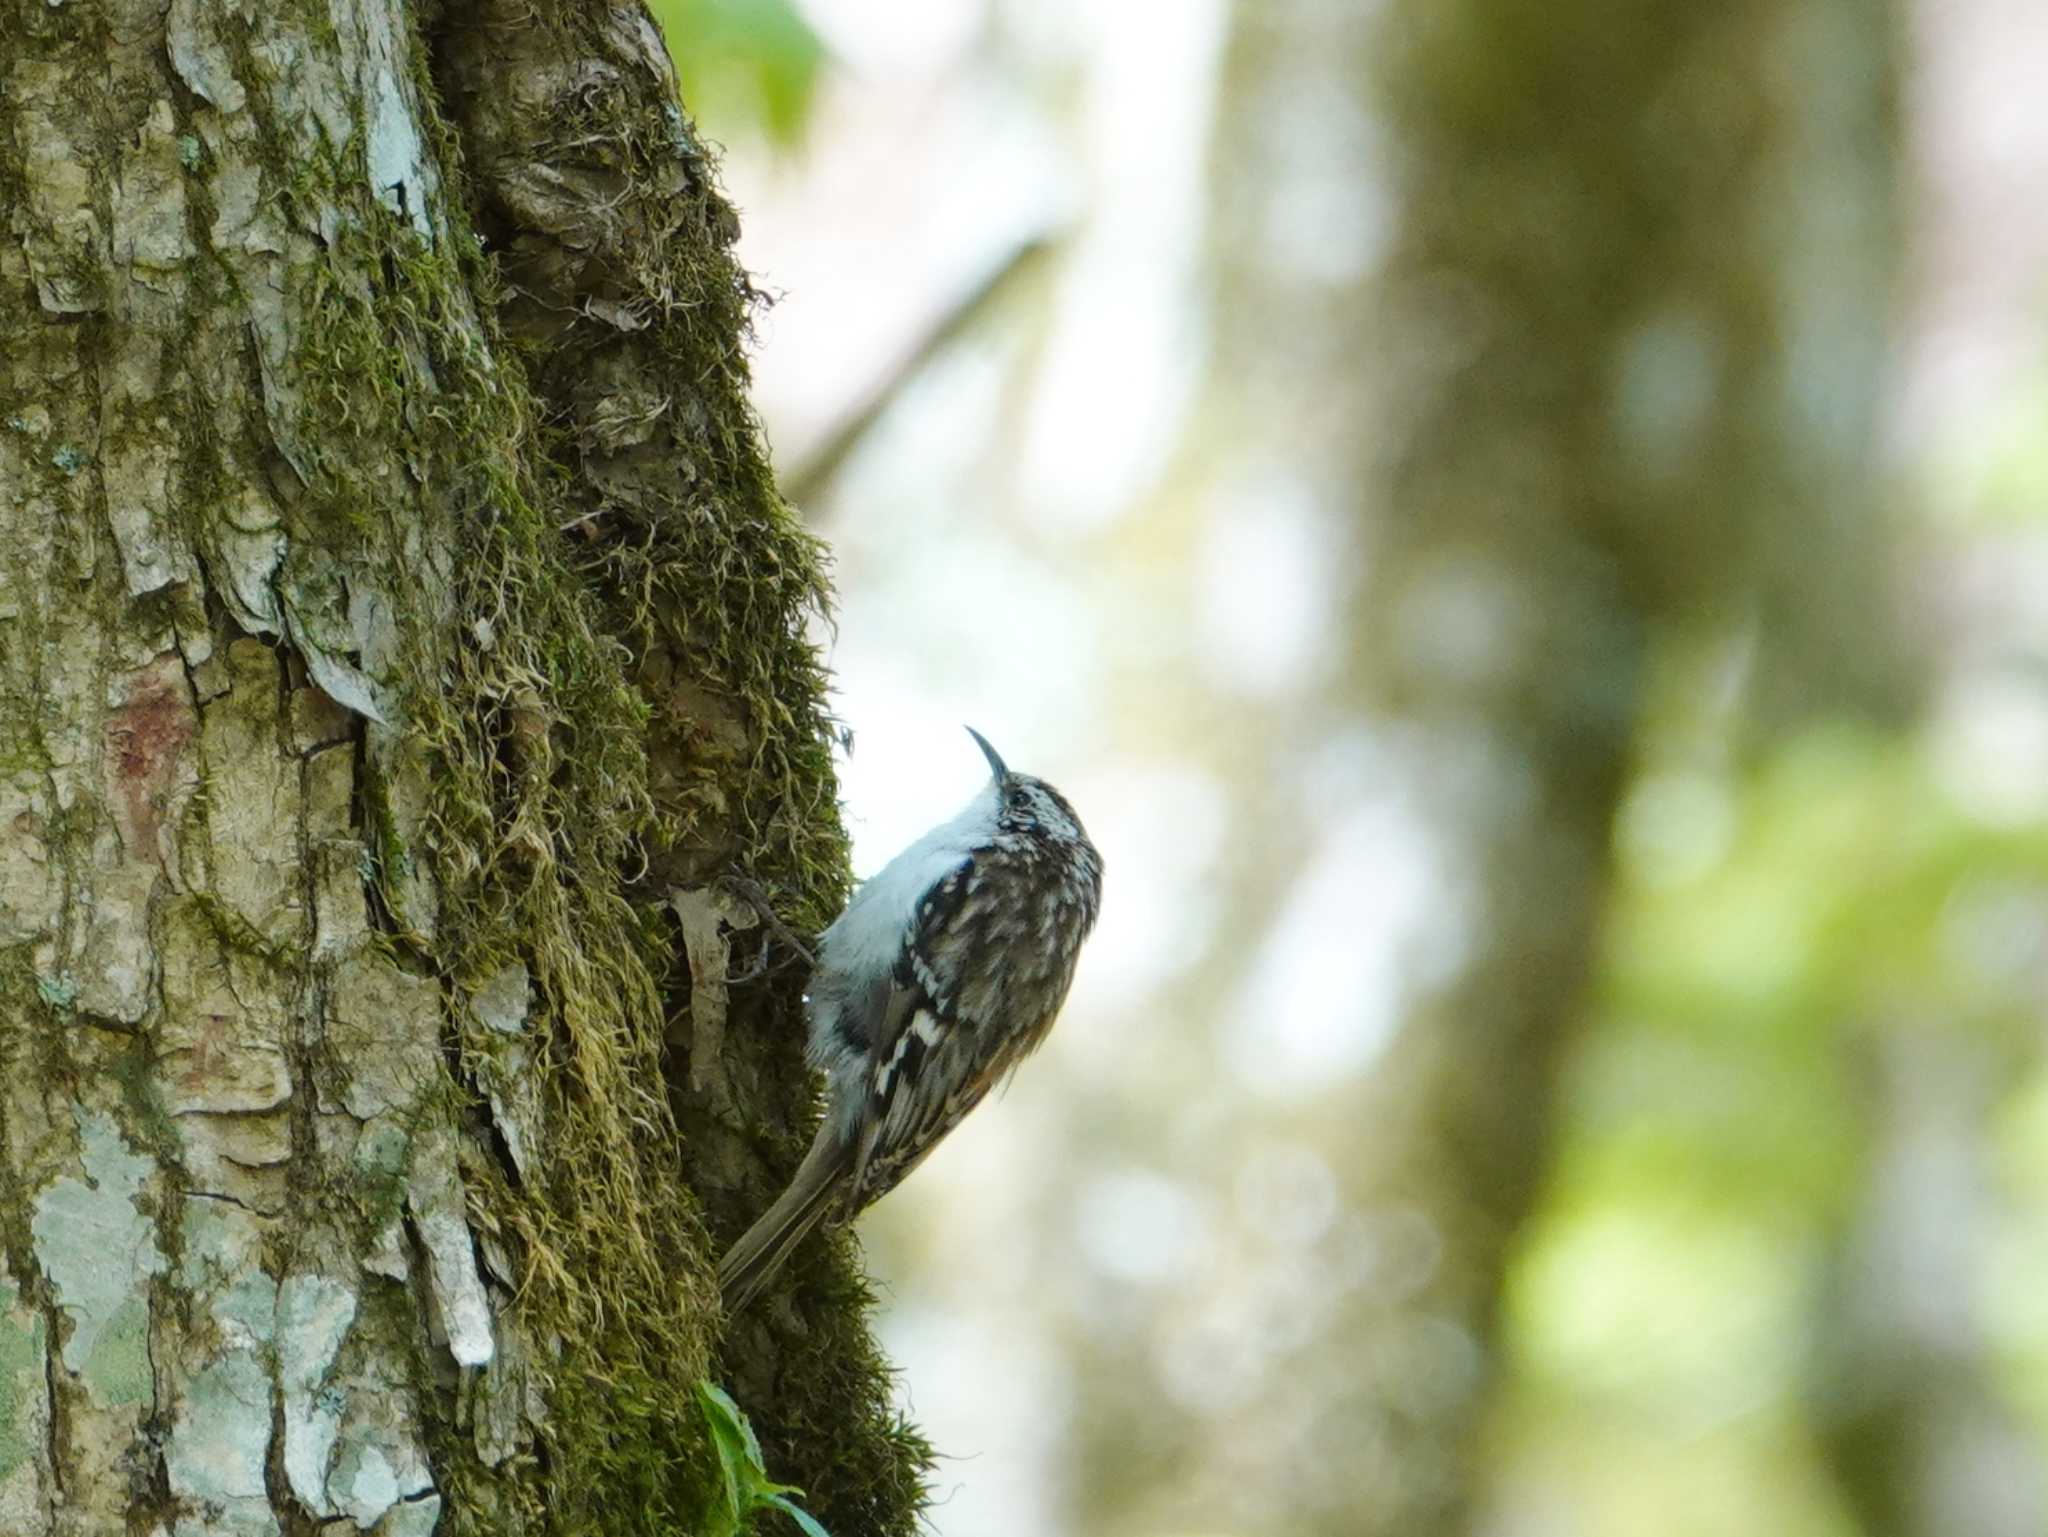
944, 972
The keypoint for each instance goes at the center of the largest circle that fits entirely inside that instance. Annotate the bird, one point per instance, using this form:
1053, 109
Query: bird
942, 974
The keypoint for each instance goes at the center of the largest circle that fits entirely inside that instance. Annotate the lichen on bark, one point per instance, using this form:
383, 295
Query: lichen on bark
366, 675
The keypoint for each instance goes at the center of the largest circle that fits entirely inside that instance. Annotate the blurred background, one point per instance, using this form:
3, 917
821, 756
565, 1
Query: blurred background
1523, 528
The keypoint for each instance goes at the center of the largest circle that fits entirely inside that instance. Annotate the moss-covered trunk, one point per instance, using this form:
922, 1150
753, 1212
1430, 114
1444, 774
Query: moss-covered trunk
394, 606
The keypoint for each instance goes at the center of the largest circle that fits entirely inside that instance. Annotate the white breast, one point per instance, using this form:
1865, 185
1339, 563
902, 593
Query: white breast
863, 943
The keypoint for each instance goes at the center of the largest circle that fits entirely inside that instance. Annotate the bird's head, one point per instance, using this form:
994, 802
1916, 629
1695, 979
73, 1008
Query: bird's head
1022, 804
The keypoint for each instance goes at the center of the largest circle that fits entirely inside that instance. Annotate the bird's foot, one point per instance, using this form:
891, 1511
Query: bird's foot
749, 889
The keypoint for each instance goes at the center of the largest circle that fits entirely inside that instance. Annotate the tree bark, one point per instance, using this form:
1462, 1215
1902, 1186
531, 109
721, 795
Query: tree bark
394, 605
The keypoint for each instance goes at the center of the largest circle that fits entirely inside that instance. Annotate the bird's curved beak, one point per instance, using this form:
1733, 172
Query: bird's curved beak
995, 760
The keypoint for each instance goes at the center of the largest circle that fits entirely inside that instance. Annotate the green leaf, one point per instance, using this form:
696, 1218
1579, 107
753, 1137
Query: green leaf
726, 1420
743, 63
747, 1486
728, 1437
805, 1521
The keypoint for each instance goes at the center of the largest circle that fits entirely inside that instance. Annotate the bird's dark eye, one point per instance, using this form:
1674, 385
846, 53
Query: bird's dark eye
1019, 800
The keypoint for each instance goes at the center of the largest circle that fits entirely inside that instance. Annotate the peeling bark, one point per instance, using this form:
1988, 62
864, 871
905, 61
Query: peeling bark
339, 1187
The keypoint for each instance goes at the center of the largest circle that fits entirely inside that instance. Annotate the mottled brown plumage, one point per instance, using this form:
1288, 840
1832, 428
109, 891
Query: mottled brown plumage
944, 972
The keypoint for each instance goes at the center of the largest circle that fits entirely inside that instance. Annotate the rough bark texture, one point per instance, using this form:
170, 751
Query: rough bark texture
379, 641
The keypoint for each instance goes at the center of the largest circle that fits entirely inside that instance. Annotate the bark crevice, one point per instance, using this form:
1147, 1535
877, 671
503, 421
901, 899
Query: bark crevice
294, 765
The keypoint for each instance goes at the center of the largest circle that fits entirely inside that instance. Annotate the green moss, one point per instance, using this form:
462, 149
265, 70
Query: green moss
22, 1030
541, 799
598, 717
527, 863
134, 1069
238, 936
708, 578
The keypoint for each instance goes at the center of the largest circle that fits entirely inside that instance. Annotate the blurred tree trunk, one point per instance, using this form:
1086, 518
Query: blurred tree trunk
382, 632
1627, 355
1583, 313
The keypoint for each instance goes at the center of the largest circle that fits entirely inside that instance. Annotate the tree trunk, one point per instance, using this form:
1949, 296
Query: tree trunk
1581, 310
1628, 369
396, 605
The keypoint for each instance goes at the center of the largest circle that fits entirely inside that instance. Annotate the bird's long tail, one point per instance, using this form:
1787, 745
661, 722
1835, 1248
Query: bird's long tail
750, 1264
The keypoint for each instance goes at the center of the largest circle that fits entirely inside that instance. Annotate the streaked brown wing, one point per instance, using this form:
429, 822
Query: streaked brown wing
932, 1060
929, 1094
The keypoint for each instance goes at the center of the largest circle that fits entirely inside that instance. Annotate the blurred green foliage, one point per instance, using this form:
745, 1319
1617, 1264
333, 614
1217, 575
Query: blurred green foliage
745, 65
1671, 1304
1997, 475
